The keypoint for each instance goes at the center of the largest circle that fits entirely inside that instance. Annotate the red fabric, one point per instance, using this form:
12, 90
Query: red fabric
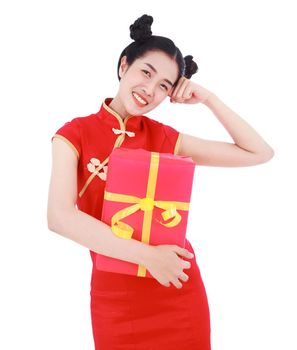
130, 312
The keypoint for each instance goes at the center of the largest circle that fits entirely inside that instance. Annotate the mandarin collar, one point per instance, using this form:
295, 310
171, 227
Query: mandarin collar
132, 122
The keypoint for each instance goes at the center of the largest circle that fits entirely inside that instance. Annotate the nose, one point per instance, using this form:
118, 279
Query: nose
148, 89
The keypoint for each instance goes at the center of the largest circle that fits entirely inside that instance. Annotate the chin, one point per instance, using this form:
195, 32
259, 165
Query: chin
134, 110
137, 113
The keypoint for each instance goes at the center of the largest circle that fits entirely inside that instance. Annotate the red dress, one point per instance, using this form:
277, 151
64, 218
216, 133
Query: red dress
130, 312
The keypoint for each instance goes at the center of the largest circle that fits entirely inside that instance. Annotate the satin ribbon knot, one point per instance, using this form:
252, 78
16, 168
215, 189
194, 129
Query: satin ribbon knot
118, 131
146, 204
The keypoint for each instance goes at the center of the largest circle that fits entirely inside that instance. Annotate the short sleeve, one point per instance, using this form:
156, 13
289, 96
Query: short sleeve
70, 133
173, 137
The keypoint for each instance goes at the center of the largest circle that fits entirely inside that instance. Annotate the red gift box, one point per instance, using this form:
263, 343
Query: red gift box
146, 198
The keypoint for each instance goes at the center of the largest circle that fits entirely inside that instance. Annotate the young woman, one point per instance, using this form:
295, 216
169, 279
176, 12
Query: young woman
169, 311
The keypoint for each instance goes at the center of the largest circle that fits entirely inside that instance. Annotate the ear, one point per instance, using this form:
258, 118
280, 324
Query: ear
123, 66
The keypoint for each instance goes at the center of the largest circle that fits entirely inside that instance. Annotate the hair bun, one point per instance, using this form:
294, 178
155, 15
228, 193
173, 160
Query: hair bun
191, 66
140, 30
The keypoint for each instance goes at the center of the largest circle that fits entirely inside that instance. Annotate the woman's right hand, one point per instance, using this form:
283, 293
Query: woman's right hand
165, 266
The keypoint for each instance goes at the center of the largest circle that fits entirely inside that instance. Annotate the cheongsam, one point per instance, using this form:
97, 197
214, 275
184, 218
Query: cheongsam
130, 312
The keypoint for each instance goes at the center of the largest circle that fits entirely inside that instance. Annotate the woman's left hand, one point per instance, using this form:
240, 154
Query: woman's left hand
186, 91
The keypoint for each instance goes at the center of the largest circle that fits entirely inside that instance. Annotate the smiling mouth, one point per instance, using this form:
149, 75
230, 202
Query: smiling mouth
139, 99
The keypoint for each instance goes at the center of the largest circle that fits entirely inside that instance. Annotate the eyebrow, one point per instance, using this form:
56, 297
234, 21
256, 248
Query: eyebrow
155, 70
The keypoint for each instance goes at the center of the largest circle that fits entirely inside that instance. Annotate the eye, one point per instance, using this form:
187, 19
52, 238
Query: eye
164, 87
146, 72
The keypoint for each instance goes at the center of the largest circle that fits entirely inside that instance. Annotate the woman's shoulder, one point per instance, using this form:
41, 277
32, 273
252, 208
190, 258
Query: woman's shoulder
163, 135
168, 130
84, 120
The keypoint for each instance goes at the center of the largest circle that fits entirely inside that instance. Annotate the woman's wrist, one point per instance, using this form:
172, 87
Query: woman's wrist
209, 99
145, 253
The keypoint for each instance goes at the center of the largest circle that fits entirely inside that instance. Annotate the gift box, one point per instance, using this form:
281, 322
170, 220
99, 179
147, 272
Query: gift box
147, 197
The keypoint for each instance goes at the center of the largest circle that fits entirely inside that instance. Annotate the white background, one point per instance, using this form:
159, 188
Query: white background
58, 61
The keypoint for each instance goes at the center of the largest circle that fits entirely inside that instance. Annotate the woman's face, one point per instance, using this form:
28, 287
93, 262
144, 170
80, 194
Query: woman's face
146, 83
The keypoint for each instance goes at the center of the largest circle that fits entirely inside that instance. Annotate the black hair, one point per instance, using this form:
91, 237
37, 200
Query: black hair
144, 41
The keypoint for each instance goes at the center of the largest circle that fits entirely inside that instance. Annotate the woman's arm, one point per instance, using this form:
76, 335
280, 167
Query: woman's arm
249, 148
65, 219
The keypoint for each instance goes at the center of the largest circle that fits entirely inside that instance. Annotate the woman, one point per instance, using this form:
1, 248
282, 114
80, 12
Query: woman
129, 312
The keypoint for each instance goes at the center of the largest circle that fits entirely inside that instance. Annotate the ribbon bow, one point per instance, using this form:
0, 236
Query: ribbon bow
118, 131
146, 204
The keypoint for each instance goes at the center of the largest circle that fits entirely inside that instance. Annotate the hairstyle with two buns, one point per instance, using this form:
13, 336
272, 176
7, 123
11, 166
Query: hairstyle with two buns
144, 41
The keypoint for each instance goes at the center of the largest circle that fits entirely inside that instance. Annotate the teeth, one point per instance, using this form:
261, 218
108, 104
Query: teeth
138, 98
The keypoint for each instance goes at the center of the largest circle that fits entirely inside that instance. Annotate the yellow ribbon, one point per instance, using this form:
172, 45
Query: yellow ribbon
146, 204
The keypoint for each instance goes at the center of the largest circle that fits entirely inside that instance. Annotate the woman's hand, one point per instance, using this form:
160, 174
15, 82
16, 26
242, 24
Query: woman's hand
186, 91
166, 266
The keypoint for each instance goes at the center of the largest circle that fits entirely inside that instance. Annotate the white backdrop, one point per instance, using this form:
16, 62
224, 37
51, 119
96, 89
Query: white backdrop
58, 61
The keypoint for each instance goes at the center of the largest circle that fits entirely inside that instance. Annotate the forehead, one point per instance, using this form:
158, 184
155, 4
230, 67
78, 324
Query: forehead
165, 66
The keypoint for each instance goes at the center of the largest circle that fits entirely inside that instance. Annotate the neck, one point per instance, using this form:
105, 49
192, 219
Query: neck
117, 106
